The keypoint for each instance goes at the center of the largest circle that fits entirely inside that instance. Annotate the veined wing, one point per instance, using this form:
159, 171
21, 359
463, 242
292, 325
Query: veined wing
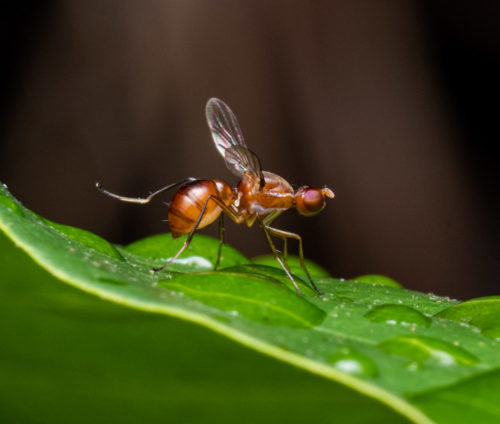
229, 140
223, 125
241, 160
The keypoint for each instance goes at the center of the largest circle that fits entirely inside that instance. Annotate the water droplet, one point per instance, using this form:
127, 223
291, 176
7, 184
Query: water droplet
195, 262
427, 349
415, 366
354, 363
398, 314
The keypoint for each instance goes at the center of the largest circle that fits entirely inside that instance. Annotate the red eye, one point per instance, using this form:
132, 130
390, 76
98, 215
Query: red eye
313, 200
309, 201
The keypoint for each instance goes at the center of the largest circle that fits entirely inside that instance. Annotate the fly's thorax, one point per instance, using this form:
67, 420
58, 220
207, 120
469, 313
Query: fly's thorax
277, 194
276, 184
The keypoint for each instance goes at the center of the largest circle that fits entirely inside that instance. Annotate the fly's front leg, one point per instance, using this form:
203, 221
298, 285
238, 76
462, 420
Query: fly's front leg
284, 235
277, 256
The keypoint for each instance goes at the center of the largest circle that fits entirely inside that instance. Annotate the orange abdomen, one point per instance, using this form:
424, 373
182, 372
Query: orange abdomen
188, 202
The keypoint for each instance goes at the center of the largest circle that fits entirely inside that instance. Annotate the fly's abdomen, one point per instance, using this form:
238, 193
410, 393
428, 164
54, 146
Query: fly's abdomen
187, 204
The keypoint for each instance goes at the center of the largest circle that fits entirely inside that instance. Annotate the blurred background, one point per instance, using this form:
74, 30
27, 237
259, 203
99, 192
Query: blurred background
391, 104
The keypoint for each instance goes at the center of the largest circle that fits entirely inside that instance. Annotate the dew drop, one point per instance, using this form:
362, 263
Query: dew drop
415, 366
398, 314
354, 363
427, 349
195, 262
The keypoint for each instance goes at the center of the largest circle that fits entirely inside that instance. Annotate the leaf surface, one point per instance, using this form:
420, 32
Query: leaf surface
400, 358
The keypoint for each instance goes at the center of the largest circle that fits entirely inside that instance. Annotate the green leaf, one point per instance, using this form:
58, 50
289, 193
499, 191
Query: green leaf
253, 296
381, 343
377, 279
483, 313
69, 357
201, 254
86, 238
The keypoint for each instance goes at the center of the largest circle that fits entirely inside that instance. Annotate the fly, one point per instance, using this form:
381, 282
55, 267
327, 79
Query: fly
260, 196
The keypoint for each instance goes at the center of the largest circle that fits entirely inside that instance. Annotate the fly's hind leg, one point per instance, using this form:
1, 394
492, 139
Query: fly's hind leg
284, 235
141, 200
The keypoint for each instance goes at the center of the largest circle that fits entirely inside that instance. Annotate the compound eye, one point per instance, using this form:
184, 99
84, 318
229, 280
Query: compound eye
313, 200
310, 201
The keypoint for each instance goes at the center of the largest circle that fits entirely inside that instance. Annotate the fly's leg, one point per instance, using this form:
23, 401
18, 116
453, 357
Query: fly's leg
277, 256
221, 240
284, 235
285, 252
141, 200
226, 209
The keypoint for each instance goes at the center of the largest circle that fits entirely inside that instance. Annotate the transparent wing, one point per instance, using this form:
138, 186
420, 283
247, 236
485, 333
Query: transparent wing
240, 160
223, 125
229, 140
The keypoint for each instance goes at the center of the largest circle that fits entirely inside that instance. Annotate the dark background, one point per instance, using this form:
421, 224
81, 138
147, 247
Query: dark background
391, 104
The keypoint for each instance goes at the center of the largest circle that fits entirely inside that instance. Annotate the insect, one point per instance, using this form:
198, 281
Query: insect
260, 196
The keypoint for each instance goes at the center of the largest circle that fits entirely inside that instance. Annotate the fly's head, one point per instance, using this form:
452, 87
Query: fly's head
310, 201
